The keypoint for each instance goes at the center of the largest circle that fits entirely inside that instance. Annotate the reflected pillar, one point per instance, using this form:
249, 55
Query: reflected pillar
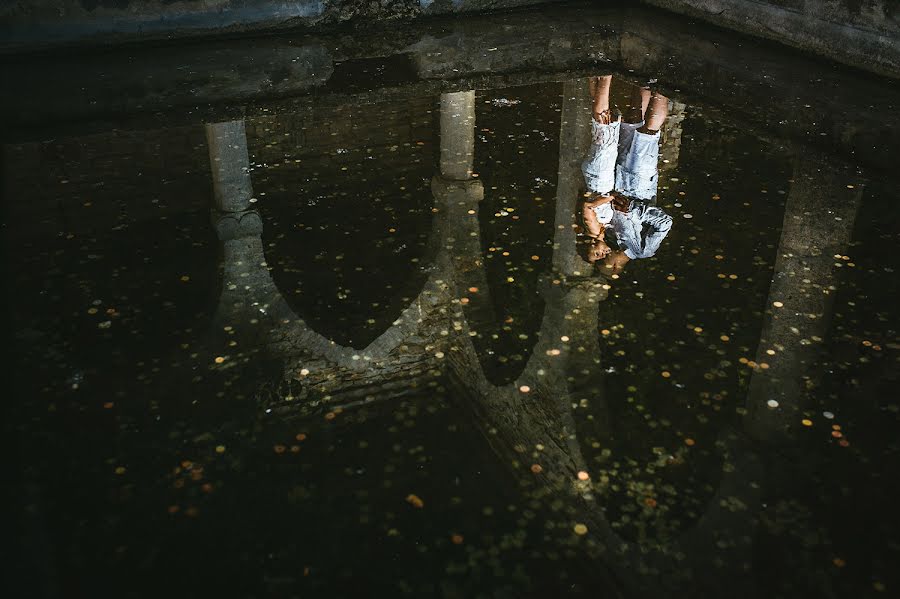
670, 144
818, 223
577, 320
457, 135
230, 166
246, 283
574, 144
583, 367
457, 193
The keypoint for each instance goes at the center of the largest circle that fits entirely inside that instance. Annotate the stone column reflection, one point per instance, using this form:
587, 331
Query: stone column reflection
574, 143
583, 375
818, 221
458, 192
457, 135
670, 146
230, 165
246, 282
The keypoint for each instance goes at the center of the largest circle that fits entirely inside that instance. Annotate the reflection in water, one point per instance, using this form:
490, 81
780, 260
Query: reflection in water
533, 411
621, 174
818, 223
366, 457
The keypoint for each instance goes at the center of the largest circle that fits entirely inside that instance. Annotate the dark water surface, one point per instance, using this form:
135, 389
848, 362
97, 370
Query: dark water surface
348, 345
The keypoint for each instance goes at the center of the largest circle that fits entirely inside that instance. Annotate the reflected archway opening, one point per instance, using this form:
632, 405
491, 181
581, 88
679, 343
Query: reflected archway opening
517, 159
677, 332
347, 211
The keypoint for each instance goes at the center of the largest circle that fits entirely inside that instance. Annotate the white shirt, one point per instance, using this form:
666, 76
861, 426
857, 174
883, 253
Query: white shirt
639, 232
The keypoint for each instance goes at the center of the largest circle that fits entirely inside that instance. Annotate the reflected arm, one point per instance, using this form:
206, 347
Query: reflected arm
593, 226
655, 225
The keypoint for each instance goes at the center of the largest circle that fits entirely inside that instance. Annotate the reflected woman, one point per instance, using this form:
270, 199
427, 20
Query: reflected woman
621, 176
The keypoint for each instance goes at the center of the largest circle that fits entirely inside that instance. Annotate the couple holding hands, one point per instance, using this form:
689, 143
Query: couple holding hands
621, 175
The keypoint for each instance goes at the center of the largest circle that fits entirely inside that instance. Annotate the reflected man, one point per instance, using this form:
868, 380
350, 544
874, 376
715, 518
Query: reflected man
621, 176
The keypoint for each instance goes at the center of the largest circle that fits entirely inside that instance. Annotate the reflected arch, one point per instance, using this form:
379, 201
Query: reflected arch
347, 212
251, 301
530, 423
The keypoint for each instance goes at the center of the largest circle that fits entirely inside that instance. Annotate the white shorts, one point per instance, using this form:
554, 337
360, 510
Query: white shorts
600, 166
637, 171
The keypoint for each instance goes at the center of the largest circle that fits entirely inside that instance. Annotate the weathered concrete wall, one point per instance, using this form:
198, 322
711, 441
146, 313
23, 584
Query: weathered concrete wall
861, 33
37, 24
147, 87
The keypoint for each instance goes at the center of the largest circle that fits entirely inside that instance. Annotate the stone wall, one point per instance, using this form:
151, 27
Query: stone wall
36, 24
861, 33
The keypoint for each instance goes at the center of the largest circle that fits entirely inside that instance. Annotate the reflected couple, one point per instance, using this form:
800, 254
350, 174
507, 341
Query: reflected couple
621, 220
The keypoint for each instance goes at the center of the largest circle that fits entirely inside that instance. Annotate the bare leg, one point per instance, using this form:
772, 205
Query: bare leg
637, 105
599, 87
656, 114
